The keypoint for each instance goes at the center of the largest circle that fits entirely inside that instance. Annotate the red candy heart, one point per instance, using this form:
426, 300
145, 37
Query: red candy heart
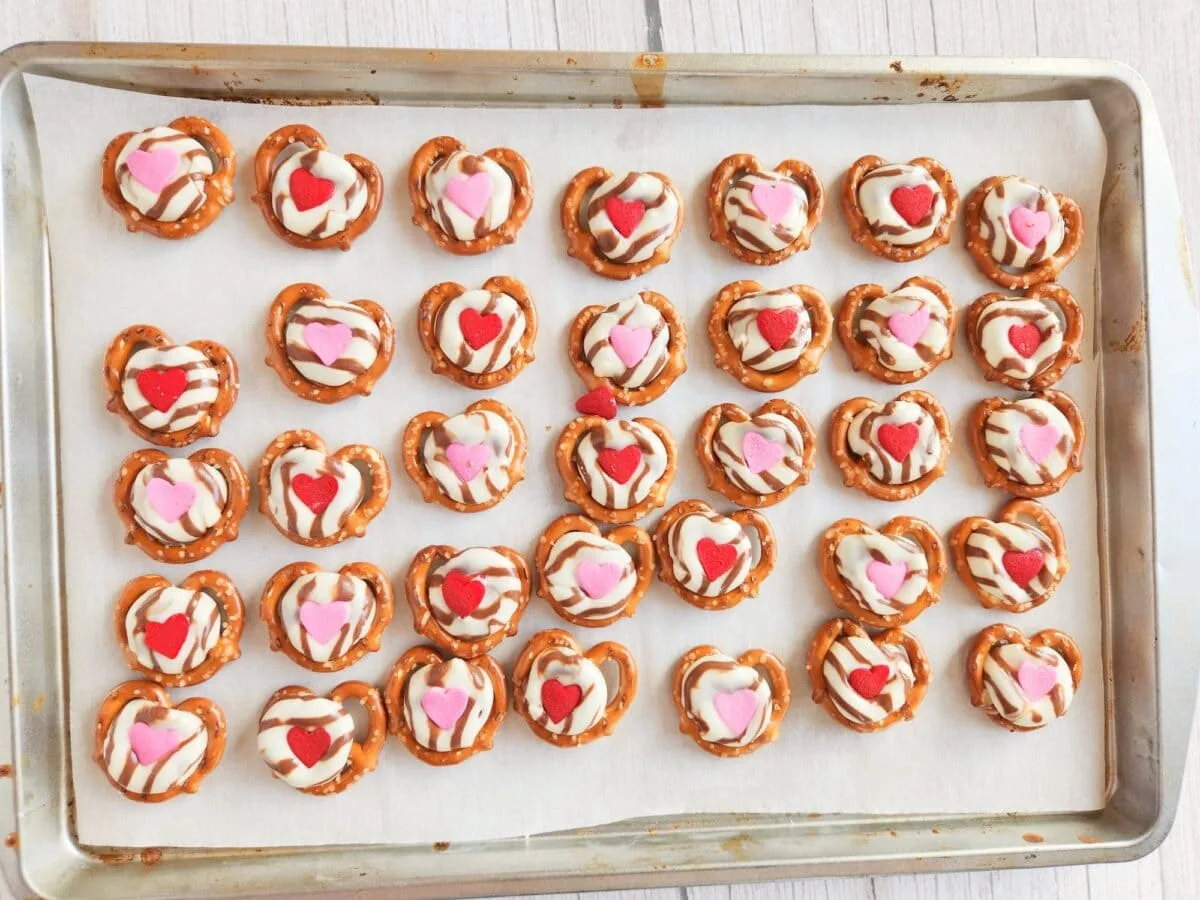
315, 493
715, 559
308, 190
162, 387
624, 214
868, 682
777, 325
558, 699
913, 203
167, 637
462, 593
898, 440
598, 402
479, 330
619, 465
1025, 339
308, 744
1023, 567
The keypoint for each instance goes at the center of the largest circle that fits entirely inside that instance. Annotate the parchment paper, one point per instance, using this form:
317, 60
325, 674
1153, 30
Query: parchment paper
950, 759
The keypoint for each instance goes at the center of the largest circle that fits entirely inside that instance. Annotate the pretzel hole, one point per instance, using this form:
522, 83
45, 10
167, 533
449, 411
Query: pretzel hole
362, 719
755, 545
368, 479
612, 679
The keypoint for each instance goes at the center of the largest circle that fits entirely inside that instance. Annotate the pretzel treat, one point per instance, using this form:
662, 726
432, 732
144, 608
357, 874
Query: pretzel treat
179, 635
445, 710
326, 621
307, 741
1029, 447
900, 211
168, 394
467, 601
756, 459
469, 204
763, 216
561, 691
1029, 342
480, 338
1015, 562
892, 450
898, 337
326, 350
467, 462
616, 471
1023, 683
730, 707
311, 197
591, 579
318, 498
708, 559
179, 510
769, 340
1019, 233
867, 683
171, 181
883, 578
152, 750
635, 347
621, 226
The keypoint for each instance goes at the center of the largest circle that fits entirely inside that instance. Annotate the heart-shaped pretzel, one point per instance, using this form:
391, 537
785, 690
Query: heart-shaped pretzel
738, 710
283, 140
840, 572
903, 346
216, 153
850, 695
461, 462
293, 746
768, 330
449, 708
205, 632
1007, 336
1008, 563
481, 337
555, 652
1017, 461
713, 561
1025, 690
191, 388
223, 528
580, 589
354, 337
438, 152
137, 757
316, 511
741, 240
466, 596
360, 589
873, 233
751, 472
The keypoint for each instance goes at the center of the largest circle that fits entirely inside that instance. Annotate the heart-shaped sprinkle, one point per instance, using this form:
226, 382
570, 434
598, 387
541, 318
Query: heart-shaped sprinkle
324, 620
913, 203
315, 493
898, 440
630, 344
1023, 566
1025, 339
624, 214
1029, 226
715, 559
1039, 441
599, 401
470, 193
329, 342
170, 500
619, 465
308, 190
462, 593
1036, 680
479, 330
166, 638
869, 680
162, 387
149, 745
153, 168
559, 700
777, 326
736, 709
909, 327
773, 200
760, 453
444, 706
887, 577
308, 744
468, 460
597, 578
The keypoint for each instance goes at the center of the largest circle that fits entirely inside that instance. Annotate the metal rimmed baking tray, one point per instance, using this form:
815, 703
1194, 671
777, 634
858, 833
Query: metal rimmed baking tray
1147, 330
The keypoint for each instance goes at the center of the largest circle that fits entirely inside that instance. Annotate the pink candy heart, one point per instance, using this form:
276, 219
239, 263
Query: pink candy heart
773, 200
1039, 441
1029, 226
468, 460
149, 745
597, 579
470, 193
736, 709
153, 168
759, 452
908, 327
1036, 680
329, 342
630, 344
324, 620
887, 577
444, 706
169, 500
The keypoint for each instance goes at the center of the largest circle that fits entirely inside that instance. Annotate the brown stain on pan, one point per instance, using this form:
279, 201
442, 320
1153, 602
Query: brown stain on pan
441, 846
736, 846
1032, 838
648, 76
150, 855
12, 841
1135, 339
1088, 839
115, 857
5, 770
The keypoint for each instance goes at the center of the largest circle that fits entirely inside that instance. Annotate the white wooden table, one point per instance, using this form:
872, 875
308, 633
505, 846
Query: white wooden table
1155, 36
